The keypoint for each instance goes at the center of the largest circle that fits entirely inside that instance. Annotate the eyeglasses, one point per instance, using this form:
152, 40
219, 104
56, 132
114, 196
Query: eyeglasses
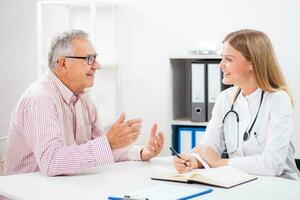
90, 59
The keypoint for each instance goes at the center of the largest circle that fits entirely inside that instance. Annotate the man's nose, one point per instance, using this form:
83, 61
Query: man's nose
96, 65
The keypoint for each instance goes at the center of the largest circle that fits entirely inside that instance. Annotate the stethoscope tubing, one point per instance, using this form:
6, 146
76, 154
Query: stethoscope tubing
246, 137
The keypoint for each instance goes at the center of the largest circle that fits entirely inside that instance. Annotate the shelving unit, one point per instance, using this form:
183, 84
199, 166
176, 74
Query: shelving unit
187, 122
181, 84
101, 21
181, 92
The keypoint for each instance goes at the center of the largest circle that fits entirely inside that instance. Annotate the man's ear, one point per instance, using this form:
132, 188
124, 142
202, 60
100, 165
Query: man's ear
61, 64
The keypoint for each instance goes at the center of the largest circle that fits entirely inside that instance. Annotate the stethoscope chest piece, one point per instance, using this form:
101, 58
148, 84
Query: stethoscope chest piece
246, 136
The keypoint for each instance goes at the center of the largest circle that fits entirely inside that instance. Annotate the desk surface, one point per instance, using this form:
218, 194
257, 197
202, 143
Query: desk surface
100, 182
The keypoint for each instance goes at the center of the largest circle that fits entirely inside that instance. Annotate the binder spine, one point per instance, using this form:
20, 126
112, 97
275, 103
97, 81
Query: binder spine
214, 82
185, 140
189, 137
198, 94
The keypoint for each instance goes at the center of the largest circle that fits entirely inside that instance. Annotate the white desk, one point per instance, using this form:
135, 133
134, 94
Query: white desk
98, 183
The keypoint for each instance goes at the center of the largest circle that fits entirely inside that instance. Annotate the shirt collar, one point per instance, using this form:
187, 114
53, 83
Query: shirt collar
254, 94
65, 92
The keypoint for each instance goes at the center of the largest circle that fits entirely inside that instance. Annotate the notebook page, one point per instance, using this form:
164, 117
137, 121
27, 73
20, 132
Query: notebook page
226, 176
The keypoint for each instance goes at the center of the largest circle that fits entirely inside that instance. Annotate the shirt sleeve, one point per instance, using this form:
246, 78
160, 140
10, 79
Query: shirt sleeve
44, 136
271, 161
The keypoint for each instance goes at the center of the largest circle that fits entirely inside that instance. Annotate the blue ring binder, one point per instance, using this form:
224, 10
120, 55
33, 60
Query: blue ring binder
193, 131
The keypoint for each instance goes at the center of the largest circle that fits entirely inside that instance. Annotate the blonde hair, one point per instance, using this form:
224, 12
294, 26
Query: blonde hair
256, 47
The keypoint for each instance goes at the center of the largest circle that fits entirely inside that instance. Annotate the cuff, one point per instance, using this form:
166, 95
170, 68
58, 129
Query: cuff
200, 159
134, 152
102, 150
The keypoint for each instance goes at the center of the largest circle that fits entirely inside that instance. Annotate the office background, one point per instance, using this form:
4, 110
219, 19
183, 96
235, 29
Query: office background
151, 32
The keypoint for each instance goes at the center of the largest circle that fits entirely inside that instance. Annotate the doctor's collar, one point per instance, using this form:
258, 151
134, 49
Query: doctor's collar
255, 93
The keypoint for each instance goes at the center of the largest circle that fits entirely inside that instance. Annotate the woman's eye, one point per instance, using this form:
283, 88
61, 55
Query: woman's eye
228, 59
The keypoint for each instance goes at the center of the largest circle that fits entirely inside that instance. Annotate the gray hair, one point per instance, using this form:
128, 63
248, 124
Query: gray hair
61, 45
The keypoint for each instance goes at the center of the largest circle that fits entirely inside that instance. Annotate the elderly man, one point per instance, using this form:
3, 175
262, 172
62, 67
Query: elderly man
54, 128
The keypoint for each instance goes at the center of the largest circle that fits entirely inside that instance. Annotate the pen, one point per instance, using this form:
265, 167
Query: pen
126, 197
176, 154
115, 198
196, 195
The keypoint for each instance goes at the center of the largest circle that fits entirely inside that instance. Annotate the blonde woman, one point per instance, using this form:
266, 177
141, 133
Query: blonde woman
251, 123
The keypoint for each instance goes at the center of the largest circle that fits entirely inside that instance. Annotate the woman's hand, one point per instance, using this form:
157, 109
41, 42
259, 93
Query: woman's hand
185, 163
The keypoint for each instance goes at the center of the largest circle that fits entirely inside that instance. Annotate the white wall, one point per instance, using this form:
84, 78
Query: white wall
17, 54
151, 32
154, 30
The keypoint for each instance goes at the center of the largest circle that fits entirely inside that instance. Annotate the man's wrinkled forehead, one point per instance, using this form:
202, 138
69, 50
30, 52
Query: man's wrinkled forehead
83, 46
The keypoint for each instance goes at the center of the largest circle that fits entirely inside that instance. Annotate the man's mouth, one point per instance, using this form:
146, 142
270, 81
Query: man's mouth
91, 75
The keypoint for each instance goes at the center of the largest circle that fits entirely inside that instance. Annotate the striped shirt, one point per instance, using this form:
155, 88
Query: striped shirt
54, 132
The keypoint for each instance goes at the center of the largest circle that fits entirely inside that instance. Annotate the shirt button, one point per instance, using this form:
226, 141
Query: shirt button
73, 99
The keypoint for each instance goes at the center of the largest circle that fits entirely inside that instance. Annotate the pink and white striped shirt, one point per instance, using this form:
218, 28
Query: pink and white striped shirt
54, 132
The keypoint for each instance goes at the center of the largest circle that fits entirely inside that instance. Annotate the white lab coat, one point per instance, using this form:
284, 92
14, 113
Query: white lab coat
270, 152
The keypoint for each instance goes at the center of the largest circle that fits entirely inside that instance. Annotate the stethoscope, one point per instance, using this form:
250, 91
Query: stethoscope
246, 133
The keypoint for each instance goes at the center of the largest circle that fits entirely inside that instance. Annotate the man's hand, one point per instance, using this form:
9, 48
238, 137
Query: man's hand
155, 144
123, 133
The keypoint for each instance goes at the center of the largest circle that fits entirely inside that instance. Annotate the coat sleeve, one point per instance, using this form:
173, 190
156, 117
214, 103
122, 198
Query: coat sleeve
214, 131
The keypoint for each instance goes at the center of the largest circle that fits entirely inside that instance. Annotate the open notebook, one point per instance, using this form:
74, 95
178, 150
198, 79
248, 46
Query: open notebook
225, 177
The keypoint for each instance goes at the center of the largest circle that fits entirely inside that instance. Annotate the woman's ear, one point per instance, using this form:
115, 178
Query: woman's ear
250, 67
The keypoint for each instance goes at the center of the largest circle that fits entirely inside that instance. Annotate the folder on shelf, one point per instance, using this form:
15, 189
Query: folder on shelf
189, 137
198, 85
185, 140
199, 135
214, 86
225, 177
